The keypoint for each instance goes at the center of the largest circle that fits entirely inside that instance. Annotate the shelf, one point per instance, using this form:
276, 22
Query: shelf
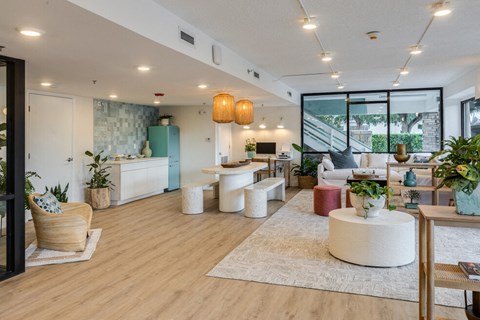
451, 276
400, 186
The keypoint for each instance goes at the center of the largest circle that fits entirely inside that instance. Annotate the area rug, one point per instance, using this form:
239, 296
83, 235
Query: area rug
35, 256
291, 249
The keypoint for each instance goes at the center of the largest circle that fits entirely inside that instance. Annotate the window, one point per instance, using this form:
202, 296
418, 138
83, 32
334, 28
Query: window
373, 121
470, 118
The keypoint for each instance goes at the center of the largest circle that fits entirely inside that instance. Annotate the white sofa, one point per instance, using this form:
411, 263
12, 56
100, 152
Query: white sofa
368, 162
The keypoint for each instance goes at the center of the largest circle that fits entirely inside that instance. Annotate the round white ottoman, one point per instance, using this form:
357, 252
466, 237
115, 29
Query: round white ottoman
192, 199
385, 241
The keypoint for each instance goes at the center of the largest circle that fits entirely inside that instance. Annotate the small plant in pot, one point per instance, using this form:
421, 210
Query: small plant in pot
250, 147
306, 171
412, 195
98, 190
164, 120
368, 198
460, 170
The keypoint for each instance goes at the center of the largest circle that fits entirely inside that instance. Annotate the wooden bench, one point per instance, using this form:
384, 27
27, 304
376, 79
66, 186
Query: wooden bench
257, 195
192, 195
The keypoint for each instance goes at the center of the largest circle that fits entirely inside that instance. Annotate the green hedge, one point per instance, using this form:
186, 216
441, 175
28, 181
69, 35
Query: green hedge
414, 142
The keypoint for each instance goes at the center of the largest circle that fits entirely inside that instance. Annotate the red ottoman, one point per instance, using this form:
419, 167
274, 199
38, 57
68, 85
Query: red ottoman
326, 198
348, 204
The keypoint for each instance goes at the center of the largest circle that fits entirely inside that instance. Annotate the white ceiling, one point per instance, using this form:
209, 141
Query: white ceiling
79, 47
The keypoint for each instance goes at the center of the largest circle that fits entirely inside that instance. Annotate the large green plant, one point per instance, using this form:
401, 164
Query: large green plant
29, 189
60, 194
100, 174
460, 169
371, 189
308, 166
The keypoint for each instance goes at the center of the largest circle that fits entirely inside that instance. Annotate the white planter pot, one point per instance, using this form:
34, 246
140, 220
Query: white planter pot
360, 203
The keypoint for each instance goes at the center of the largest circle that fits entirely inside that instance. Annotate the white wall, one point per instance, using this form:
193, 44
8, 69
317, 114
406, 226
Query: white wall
197, 140
290, 134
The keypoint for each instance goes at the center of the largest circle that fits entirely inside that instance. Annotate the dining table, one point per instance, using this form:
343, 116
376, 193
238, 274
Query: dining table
232, 181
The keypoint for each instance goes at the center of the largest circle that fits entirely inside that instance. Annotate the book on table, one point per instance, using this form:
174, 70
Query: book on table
471, 269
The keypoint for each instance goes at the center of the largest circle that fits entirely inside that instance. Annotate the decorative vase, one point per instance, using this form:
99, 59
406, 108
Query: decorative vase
410, 180
146, 151
98, 198
359, 203
467, 204
401, 155
250, 154
306, 182
165, 121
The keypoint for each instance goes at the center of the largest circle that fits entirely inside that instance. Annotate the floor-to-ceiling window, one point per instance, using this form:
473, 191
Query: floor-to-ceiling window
470, 109
373, 121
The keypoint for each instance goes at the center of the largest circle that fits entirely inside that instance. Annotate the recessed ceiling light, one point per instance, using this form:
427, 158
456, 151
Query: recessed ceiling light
404, 71
262, 126
441, 9
246, 127
335, 75
143, 68
326, 56
309, 24
396, 83
415, 49
113, 96
46, 84
202, 86
31, 32
340, 86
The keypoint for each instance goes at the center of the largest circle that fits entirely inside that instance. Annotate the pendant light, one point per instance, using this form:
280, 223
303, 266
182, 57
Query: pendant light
223, 108
243, 112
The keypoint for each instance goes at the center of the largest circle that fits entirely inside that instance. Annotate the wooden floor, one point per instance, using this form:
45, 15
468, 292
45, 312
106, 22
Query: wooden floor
151, 262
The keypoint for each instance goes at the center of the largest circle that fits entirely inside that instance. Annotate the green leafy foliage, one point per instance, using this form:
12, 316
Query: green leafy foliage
371, 189
250, 145
308, 166
29, 189
414, 142
100, 174
460, 169
60, 194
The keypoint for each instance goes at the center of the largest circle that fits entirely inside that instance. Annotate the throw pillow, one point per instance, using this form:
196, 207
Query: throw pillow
378, 160
343, 159
48, 202
328, 164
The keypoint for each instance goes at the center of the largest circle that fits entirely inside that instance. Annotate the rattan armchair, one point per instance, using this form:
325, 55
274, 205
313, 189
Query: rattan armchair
67, 231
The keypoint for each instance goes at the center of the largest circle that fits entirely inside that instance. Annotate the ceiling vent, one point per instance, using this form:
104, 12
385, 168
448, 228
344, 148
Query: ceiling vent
186, 37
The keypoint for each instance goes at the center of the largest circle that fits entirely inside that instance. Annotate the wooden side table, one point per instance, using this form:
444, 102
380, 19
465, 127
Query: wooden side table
433, 274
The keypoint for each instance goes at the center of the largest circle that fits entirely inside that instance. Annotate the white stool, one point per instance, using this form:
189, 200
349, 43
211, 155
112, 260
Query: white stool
257, 195
192, 196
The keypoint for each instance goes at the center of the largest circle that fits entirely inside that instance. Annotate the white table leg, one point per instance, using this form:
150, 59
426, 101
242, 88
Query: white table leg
231, 191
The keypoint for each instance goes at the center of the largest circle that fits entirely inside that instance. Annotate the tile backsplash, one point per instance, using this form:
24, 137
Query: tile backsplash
121, 126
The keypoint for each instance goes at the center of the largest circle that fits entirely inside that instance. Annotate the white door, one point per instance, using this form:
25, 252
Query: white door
224, 141
50, 136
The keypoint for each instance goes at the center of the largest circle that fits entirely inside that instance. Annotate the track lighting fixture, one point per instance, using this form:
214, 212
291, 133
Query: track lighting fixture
309, 24
415, 49
404, 71
441, 8
326, 57
334, 75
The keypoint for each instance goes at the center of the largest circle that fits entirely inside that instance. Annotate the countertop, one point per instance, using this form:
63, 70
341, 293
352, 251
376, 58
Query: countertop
136, 160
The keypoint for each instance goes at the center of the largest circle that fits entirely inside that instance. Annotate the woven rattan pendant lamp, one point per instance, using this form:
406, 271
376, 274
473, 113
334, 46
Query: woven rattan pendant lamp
223, 108
244, 112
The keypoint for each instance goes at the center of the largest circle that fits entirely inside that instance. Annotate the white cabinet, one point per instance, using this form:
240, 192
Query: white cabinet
137, 179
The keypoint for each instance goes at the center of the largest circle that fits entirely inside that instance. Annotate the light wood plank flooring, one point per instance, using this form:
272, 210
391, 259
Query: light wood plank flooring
151, 262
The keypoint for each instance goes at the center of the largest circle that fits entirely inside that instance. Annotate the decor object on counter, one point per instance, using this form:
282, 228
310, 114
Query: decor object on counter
244, 112
401, 155
164, 120
410, 179
236, 164
223, 108
460, 170
412, 195
146, 151
57, 191
368, 198
250, 147
98, 190
306, 171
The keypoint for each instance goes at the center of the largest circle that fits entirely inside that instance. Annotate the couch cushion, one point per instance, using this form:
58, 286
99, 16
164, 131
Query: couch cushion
328, 164
48, 203
343, 159
377, 160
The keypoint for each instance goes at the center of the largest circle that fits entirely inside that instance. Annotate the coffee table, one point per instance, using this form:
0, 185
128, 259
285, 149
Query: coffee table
385, 241
382, 181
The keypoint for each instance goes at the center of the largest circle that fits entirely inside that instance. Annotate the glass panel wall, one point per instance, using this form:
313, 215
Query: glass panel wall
325, 123
3, 165
377, 121
470, 118
415, 120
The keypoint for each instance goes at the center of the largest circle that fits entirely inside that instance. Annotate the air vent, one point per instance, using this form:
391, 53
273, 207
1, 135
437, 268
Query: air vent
186, 36
256, 74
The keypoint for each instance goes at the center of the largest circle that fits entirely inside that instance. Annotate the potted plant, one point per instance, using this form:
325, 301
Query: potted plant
164, 120
460, 170
98, 190
57, 191
306, 171
368, 198
412, 195
250, 147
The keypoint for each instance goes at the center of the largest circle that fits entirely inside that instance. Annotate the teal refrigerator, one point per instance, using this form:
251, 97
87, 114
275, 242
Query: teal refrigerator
165, 142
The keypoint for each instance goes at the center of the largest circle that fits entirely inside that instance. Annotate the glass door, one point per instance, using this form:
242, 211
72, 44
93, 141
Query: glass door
470, 118
3, 204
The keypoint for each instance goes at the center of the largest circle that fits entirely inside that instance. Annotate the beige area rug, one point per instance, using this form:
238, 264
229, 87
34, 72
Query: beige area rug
35, 256
291, 249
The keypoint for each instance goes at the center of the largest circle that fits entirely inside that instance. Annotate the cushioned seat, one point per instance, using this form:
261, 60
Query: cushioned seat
326, 198
65, 231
